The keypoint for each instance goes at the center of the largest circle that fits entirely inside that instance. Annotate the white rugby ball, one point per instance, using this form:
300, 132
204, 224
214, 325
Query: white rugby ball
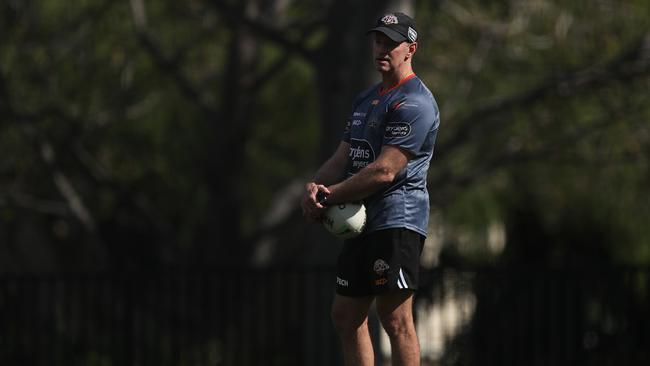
346, 220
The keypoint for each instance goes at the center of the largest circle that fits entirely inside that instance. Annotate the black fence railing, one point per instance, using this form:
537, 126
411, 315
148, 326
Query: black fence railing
281, 317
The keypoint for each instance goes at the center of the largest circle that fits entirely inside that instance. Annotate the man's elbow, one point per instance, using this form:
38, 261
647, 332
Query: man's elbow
384, 175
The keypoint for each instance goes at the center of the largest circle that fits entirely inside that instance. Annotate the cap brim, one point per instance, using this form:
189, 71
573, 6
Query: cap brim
395, 36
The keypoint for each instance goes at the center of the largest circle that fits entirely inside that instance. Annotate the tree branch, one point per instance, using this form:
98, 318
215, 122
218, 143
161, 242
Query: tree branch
258, 81
49, 207
634, 62
169, 65
509, 157
235, 16
61, 181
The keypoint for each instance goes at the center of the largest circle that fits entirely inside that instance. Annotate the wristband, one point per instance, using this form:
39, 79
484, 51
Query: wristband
321, 197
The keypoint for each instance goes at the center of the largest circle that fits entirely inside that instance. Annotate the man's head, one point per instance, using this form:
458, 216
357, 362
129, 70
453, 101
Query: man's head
395, 42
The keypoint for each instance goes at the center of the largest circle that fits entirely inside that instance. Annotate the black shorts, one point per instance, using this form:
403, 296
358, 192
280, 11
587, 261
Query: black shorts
380, 261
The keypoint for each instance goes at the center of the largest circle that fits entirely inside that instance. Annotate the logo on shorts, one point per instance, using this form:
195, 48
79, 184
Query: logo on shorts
342, 282
380, 267
381, 281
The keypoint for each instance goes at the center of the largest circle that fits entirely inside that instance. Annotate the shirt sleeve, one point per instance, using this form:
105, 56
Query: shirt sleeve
346, 131
408, 124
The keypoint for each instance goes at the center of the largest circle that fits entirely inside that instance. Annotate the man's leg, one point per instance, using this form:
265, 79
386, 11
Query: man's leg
350, 317
395, 310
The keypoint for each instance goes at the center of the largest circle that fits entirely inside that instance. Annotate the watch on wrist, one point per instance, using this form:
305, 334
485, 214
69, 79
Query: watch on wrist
321, 197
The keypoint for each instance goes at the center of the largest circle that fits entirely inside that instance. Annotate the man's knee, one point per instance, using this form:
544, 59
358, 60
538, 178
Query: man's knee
396, 314
344, 319
396, 324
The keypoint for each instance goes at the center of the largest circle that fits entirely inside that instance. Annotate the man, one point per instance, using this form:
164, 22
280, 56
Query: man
382, 160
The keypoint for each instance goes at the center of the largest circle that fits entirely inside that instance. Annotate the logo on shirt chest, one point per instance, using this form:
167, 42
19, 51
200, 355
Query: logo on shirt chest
361, 154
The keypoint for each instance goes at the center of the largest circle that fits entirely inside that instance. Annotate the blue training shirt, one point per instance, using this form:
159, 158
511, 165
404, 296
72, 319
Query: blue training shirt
405, 116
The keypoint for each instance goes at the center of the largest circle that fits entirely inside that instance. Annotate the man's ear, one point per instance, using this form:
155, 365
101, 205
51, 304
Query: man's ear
412, 48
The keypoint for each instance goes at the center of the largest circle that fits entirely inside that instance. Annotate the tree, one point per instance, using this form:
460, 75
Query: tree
148, 134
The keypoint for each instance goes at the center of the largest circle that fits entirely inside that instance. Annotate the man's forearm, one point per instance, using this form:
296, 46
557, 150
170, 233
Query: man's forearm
329, 173
365, 183
371, 179
333, 170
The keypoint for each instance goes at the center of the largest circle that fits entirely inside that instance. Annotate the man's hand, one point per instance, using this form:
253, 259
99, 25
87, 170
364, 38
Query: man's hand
311, 208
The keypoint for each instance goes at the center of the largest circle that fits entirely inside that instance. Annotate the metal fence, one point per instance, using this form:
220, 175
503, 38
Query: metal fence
281, 317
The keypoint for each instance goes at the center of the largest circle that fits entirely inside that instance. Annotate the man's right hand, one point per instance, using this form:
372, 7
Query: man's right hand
311, 208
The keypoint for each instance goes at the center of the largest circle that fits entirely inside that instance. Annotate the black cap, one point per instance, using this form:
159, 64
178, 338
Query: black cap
397, 26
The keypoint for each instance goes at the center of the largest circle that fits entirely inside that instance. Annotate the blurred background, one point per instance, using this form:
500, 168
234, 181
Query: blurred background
153, 154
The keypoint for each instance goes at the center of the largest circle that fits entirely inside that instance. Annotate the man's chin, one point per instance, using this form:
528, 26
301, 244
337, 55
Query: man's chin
382, 68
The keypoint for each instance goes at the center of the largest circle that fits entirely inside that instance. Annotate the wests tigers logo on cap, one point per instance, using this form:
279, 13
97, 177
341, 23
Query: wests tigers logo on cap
389, 19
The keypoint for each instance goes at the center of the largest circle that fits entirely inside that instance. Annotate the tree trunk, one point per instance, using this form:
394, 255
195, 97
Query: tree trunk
225, 161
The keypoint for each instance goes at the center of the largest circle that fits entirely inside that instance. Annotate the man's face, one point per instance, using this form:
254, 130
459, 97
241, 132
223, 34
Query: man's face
388, 54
